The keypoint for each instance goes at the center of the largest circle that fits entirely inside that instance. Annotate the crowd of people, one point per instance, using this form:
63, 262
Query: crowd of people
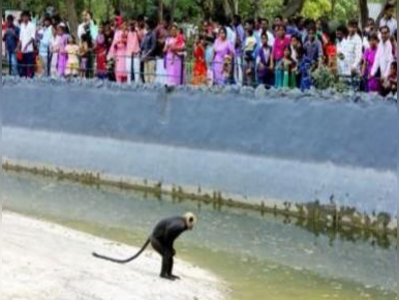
283, 53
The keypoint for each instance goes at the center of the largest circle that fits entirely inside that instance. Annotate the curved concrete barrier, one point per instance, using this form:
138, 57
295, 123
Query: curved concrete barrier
277, 148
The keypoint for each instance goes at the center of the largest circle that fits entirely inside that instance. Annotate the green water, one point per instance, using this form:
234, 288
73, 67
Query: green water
259, 257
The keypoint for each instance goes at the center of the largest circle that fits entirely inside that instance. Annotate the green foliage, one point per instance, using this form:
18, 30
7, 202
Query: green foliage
316, 8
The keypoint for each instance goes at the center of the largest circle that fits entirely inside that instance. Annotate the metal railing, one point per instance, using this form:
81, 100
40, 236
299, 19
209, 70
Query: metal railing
150, 70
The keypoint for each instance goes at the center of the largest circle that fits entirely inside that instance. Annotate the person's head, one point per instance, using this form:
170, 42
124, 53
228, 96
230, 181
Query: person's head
341, 33
278, 20
25, 17
265, 40
250, 24
374, 40
280, 31
264, 24
174, 30
223, 33
250, 32
389, 11
312, 33
295, 41
47, 22
385, 33
370, 24
88, 16
353, 27
237, 20
10, 20
61, 29
287, 52
394, 68
150, 25
72, 40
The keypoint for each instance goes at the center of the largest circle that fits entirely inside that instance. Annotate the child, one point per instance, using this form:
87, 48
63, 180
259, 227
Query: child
72, 50
179, 44
286, 78
249, 51
83, 53
330, 51
390, 84
200, 68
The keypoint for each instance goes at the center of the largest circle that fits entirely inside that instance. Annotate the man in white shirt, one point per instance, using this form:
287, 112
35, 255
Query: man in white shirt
350, 51
26, 45
389, 19
384, 55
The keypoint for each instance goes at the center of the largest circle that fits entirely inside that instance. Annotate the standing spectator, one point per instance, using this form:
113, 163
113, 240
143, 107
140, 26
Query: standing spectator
264, 28
118, 52
384, 56
133, 53
11, 38
46, 34
26, 45
55, 45
62, 53
174, 57
162, 34
263, 63
372, 83
72, 63
389, 19
101, 53
350, 51
330, 52
224, 53
200, 67
249, 54
281, 42
148, 47
239, 42
313, 48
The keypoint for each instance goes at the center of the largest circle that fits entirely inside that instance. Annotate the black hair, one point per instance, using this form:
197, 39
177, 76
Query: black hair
385, 27
10, 18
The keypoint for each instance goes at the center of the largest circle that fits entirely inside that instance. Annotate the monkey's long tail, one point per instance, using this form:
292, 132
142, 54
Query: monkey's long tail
123, 261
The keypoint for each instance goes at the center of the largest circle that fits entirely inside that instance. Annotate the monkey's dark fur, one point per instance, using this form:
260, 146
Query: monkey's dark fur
162, 240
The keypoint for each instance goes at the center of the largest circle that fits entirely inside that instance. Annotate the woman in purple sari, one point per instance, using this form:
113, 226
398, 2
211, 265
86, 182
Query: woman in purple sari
224, 53
174, 57
372, 83
62, 55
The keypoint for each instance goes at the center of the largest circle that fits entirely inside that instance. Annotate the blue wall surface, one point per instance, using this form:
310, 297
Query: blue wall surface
274, 148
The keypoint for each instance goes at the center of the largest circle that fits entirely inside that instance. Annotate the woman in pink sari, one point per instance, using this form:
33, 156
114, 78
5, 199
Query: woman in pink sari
174, 57
224, 53
118, 52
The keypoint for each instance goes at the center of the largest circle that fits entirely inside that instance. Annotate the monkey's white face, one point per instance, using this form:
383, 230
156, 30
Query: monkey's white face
191, 220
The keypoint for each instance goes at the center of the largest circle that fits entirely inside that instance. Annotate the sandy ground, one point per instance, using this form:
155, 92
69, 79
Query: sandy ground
45, 261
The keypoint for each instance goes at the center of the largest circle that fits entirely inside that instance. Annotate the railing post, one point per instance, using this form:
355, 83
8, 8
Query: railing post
48, 62
9, 63
183, 65
132, 75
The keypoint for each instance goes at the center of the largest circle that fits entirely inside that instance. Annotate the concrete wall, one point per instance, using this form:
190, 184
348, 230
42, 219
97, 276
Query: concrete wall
278, 147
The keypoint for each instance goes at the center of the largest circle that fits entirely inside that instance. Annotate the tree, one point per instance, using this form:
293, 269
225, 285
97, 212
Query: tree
364, 12
292, 7
72, 16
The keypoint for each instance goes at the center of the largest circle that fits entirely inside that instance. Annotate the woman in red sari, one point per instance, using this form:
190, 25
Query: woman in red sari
200, 69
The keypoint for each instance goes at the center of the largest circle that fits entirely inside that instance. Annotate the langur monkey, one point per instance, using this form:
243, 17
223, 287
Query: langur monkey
162, 239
